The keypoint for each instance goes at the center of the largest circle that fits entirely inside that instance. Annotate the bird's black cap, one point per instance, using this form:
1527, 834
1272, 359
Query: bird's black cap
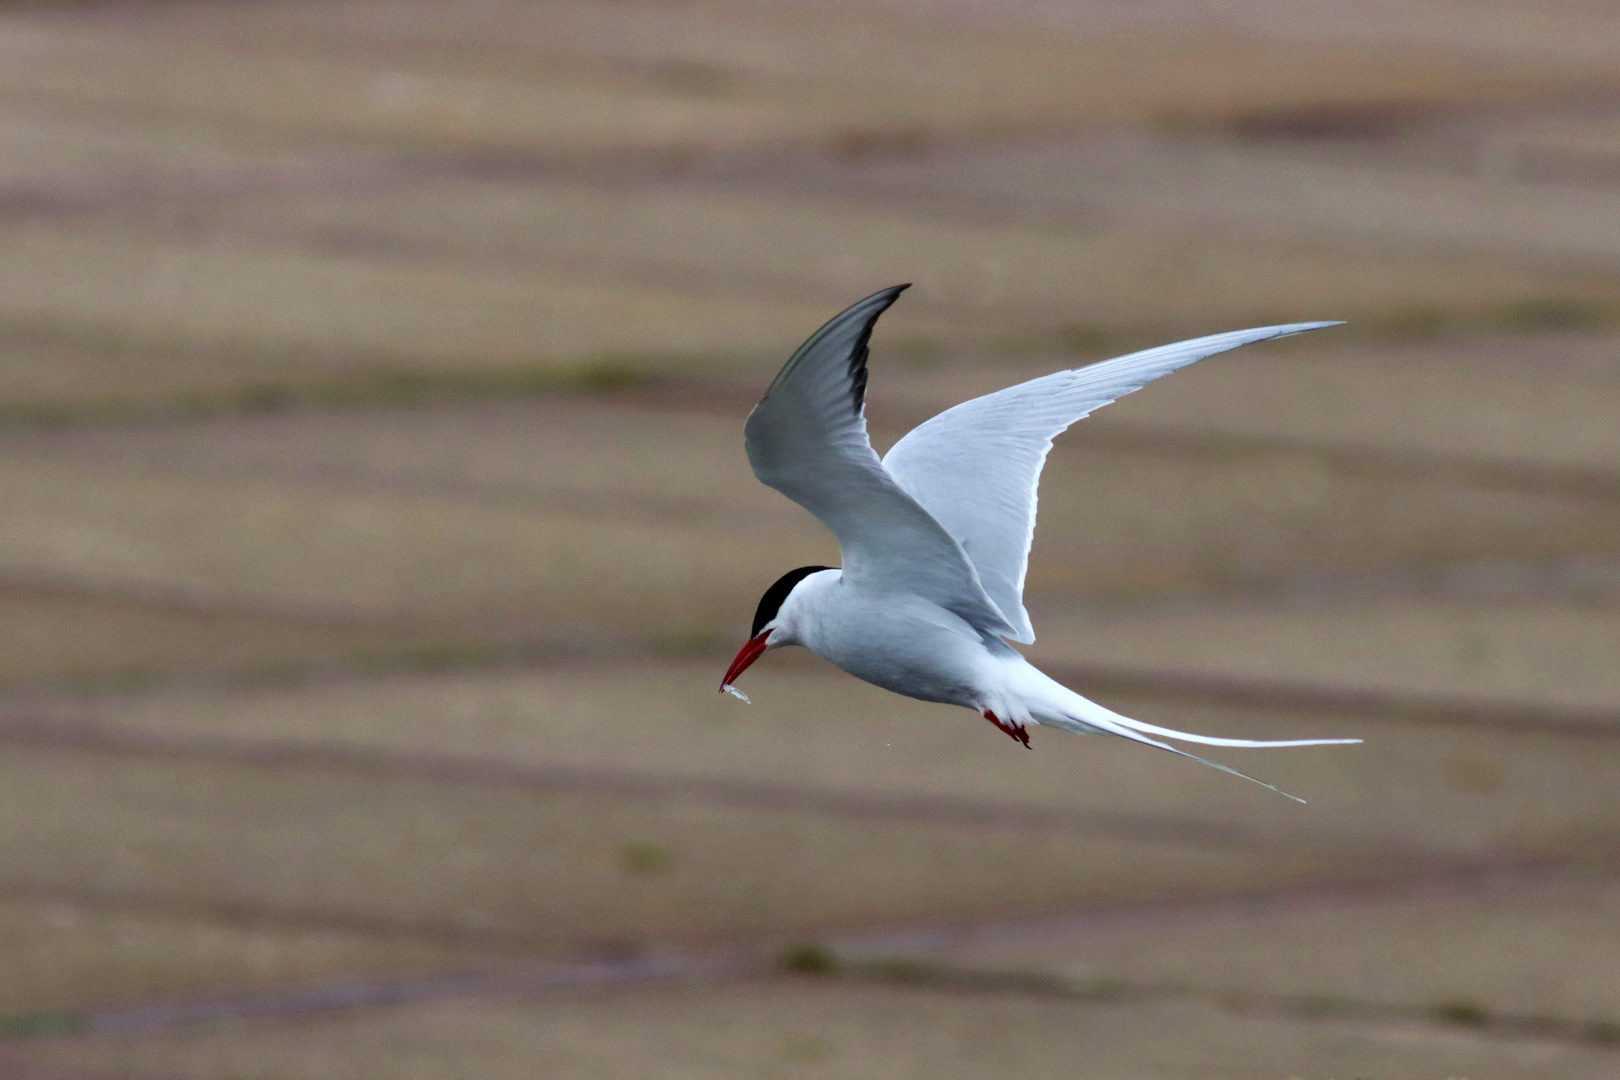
771, 602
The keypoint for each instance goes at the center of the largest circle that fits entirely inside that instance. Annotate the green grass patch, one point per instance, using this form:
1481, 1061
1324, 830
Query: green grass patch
1531, 315
1548, 313
1462, 1012
1603, 1032
808, 958
694, 79
40, 1025
643, 857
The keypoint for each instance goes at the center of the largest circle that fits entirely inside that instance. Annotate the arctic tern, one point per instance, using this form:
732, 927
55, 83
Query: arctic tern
935, 536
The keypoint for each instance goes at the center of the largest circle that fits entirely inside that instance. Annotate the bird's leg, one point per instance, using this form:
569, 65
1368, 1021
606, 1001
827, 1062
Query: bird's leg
1016, 731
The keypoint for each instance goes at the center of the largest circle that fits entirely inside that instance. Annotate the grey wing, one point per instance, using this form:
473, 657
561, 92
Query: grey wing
976, 466
807, 439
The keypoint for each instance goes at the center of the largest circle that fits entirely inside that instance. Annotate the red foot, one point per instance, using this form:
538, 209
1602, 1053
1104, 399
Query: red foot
1017, 731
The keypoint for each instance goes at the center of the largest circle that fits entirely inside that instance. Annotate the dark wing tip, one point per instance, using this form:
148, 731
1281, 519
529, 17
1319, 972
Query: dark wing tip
858, 355
861, 316
885, 296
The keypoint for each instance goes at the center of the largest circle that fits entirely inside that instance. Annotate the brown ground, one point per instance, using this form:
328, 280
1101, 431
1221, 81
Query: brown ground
377, 525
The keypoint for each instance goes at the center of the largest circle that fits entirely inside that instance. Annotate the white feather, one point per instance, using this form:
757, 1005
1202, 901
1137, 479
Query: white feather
1051, 704
807, 439
976, 466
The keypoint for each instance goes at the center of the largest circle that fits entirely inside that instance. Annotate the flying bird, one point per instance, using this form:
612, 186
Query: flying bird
935, 535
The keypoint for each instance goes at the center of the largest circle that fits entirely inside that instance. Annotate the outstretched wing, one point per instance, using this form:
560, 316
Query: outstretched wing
807, 439
976, 466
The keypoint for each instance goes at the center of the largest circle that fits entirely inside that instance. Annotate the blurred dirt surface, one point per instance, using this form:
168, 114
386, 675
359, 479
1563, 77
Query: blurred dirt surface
377, 525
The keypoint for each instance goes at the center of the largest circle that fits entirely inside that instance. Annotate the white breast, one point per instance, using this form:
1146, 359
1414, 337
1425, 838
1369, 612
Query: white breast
895, 640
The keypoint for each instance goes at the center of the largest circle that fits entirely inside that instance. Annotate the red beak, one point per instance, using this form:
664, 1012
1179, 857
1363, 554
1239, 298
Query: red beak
751, 651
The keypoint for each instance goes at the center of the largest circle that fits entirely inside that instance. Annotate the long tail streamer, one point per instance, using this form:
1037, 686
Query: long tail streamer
1096, 718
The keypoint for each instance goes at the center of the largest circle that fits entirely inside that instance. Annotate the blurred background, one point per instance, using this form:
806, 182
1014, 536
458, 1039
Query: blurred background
376, 528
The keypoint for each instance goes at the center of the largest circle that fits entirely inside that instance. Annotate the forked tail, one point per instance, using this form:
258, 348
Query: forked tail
1068, 710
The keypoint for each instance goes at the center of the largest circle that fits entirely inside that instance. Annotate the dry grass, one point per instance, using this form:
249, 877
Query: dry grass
315, 97
627, 459
64, 956
1124, 521
1413, 952
677, 282
1391, 181
263, 231
608, 518
621, 75
1542, 401
1552, 654
539, 868
1019, 273
68, 637
340, 552
1452, 788
335, 311
802, 1028
92, 156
